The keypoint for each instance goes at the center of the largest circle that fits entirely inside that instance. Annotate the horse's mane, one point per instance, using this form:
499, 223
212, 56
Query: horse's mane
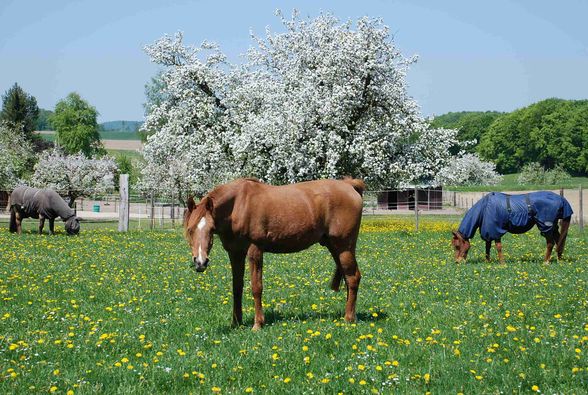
201, 207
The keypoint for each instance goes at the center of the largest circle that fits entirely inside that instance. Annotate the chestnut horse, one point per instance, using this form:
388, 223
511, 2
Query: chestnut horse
251, 218
498, 213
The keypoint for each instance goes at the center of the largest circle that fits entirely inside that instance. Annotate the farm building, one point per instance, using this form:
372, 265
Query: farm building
428, 199
3, 200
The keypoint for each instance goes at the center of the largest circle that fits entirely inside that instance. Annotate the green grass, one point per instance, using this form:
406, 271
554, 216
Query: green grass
131, 154
114, 135
107, 312
510, 183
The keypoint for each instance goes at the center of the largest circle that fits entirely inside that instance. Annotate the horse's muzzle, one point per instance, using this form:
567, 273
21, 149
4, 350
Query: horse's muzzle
199, 266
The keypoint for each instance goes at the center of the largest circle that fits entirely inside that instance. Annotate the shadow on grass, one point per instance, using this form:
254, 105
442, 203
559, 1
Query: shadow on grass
521, 260
274, 317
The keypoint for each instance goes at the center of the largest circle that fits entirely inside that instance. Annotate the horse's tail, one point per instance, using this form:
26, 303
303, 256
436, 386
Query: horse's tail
12, 226
561, 242
356, 183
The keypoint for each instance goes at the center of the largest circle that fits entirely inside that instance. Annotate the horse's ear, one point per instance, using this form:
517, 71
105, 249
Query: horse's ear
455, 236
209, 205
191, 203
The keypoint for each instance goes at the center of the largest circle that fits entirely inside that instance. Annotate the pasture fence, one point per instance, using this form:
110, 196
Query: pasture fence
163, 209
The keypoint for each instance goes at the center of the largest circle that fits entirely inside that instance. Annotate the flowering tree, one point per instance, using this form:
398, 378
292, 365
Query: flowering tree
468, 169
16, 156
323, 99
74, 175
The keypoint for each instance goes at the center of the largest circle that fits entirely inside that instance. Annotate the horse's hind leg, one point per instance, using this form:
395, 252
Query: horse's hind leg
338, 274
352, 279
488, 246
346, 268
255, 255
498, 244
41, 224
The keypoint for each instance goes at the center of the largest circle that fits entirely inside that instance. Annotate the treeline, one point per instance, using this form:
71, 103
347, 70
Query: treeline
44, 116
122, 126
552, 132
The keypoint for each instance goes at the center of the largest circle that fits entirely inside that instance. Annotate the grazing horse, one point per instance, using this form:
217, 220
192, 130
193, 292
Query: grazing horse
498, 213
43, 204
251, 218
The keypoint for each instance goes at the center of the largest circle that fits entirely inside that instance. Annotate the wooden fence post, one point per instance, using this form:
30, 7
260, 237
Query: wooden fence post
152, 213
172, 211
581, 209
416, 208
123, 213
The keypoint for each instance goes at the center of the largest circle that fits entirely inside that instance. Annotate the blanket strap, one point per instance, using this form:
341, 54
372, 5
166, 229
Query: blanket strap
508, 208
529, 207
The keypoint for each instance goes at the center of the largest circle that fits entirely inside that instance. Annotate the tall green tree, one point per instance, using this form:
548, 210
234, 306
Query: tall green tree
19, 110
43, 120
551, 132
76, 126
471, 125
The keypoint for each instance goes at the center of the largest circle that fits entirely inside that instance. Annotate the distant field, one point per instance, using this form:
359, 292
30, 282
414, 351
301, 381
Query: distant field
115, 135
510, 183
112, 140
104, 135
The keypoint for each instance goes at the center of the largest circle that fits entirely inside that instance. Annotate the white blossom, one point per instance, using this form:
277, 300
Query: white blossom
74, 175
323, 99
468, 169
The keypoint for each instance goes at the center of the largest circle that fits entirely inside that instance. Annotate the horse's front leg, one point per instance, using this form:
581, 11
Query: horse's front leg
255, 255
41, 224
238, 270
52, 226
561, 237
498, 244
18, 220
488, 246
550, 242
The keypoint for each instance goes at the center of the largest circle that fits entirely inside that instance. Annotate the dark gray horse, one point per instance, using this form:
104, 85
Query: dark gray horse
27, 202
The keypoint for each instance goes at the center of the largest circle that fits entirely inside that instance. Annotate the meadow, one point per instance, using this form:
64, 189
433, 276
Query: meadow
108, 312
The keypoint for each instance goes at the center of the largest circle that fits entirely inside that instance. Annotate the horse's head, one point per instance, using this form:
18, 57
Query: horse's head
199, 228
72, 225
461, 247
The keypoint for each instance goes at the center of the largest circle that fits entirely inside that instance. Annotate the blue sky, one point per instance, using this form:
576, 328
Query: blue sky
473, 55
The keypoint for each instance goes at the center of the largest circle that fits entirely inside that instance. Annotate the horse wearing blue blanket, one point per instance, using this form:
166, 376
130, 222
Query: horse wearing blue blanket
498, 213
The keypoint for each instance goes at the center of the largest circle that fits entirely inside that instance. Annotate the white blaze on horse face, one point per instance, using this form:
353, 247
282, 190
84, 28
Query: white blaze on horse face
201, 224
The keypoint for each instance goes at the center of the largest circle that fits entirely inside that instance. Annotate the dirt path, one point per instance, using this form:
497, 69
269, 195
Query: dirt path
128, 145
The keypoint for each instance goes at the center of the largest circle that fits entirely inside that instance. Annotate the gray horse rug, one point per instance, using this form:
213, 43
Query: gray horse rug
27, 202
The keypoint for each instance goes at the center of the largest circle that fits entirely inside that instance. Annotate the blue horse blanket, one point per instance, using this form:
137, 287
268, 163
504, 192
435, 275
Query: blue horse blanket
498, 213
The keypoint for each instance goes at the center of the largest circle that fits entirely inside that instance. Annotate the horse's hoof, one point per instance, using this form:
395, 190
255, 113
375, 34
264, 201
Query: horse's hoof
351, 319
256, 327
